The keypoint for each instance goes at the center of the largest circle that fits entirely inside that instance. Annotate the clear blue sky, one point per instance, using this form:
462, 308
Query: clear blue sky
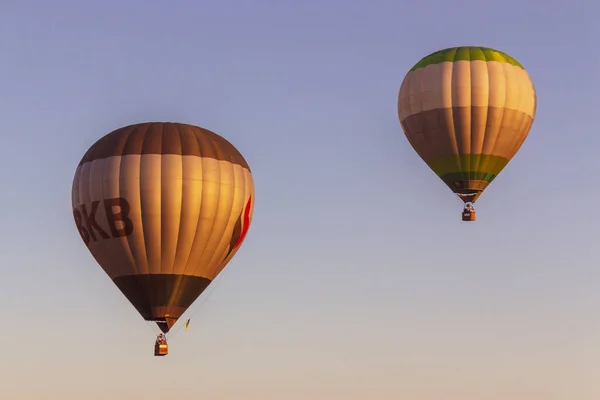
357, 279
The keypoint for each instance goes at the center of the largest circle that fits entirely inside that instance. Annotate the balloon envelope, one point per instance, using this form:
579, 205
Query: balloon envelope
162, 207
466, 111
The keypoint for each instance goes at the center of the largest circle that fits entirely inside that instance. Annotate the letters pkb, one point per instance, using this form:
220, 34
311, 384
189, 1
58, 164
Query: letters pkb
116, 211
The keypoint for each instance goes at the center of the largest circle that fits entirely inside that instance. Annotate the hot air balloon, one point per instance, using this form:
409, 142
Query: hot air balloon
162, 207
466, 111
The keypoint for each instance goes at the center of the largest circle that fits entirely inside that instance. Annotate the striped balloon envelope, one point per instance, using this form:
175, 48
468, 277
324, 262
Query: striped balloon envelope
162, 207
466, 111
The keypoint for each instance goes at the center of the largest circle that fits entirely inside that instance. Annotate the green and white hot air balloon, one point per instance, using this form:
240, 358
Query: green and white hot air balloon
466, 111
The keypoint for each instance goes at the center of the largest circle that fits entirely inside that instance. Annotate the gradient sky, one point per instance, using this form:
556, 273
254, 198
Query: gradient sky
357, 279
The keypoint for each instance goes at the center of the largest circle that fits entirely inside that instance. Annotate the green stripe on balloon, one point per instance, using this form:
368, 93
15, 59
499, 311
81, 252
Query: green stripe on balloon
476, 163
466, 53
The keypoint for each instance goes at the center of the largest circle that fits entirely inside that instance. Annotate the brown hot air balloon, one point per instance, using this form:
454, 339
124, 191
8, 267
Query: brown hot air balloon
466, 111
162, 207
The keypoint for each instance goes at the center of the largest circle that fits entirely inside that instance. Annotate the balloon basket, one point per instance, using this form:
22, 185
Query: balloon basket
161, 348
468, 214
